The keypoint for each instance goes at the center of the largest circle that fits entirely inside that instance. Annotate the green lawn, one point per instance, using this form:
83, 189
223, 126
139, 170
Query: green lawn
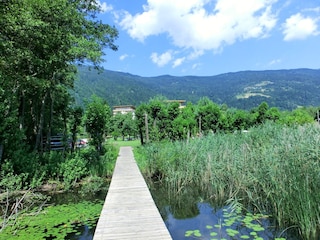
120, 143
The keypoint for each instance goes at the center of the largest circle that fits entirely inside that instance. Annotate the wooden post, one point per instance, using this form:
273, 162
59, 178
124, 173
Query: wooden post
147, 129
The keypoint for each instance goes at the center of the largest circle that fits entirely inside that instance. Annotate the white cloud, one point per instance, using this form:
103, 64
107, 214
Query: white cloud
178, 62
299, 27
202, 24
196, 65
123, 57
316, 10
195, 54
275, 61
104, 7
162, 59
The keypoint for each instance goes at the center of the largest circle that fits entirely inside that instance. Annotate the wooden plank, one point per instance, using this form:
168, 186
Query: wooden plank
129, 211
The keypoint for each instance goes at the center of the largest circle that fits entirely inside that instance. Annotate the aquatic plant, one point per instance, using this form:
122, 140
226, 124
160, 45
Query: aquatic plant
272, 168
54, 221
235, 225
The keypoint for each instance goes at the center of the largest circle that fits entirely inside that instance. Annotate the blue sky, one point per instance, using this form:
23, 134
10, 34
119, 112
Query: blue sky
210, 37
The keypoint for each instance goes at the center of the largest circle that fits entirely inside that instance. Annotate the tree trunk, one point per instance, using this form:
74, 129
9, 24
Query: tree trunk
49, 133
147, 129
41, 122
141, 136
22, 110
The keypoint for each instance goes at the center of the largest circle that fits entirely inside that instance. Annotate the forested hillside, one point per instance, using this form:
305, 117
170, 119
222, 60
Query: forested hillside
285, 89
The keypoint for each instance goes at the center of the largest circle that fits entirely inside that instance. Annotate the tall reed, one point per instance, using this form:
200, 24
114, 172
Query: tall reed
271, 168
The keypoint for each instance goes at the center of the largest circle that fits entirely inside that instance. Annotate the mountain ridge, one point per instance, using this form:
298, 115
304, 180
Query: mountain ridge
286, 89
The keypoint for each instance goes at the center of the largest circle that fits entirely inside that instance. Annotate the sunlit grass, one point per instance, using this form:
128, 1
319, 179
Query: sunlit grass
120, 143
272, 168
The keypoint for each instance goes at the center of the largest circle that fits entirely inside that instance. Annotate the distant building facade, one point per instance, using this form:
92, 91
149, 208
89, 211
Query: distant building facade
124, 109
182, 103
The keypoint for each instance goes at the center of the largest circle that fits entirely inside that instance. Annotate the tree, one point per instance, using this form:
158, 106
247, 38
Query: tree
129, 127
262, 112
239, 119
208, 114
40, 40
158, 114
116, 125
273, 114
297, 116
184, 123
141, 114
97, 115
76, 119
123, 124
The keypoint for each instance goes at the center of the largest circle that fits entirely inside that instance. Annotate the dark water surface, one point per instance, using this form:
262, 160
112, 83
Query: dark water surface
80, 231
189, 210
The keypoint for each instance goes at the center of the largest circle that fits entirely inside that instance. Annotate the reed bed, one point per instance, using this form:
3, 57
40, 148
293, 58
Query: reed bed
272, 168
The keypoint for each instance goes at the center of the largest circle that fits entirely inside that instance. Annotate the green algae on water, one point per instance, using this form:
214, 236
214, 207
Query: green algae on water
56, 221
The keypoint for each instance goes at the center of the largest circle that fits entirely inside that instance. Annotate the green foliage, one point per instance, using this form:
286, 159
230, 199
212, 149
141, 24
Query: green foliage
184, 123
92, 185
285, 89
72, 170
273, 168
234, 224
208, 114
97, 115
123, 125
54, 221
76, 118
296, 117
35, 78
9, 180
97, 164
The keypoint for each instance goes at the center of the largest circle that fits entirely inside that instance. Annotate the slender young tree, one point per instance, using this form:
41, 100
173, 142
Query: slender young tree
97, 115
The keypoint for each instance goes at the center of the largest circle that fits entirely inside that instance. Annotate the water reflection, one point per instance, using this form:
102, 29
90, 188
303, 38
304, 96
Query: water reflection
192, 209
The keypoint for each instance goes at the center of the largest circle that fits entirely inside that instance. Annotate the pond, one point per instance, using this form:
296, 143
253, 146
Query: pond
69, 215
191, 214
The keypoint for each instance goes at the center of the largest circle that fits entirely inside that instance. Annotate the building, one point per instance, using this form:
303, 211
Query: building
123, 109
182, 103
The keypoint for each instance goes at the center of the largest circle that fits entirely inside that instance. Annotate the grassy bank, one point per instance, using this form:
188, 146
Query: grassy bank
271, 168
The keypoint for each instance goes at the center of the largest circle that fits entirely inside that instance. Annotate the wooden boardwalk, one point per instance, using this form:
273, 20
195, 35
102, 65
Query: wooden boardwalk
129, 211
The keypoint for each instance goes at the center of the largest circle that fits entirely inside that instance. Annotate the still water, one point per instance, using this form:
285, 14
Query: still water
192, 215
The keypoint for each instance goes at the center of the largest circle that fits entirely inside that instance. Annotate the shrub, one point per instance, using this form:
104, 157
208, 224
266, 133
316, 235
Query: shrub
72, 170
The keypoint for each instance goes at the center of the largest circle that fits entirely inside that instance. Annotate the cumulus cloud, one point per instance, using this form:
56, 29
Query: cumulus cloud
104, 7
299, 27
161, 59
123, 57
275, 61
196, 65
316, 10
202, 24
178, 62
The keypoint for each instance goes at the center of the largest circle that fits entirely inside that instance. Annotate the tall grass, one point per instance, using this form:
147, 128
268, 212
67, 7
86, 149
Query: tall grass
272, 168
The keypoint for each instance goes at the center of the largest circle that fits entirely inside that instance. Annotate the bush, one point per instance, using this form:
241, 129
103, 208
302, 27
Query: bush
10, 181
72, 170
92, 185
103, 165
